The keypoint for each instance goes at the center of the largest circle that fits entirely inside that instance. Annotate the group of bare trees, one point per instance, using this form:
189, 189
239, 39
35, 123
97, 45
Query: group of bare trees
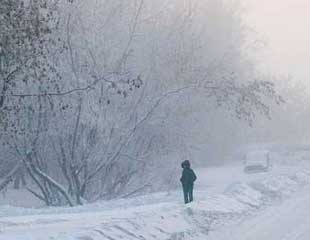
92, 91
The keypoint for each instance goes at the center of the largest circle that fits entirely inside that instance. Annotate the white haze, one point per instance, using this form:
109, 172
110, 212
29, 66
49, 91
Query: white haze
285, 27
103, 118
278, 39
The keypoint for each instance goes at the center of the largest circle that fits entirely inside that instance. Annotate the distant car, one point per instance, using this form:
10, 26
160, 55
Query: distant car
258, 161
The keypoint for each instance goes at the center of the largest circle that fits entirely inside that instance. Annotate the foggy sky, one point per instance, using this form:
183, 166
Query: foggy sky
285, 26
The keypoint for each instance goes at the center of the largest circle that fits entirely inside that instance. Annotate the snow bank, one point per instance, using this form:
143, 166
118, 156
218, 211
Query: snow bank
242, 199
168, 220
245, 194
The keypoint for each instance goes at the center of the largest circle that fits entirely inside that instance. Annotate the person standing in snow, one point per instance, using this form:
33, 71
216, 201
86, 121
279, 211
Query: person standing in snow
188, 178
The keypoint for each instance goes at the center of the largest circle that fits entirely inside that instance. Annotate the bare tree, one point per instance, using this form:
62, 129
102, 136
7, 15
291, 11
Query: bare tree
97, 103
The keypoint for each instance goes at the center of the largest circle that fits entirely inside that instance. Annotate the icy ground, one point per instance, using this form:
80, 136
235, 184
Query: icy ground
229, 205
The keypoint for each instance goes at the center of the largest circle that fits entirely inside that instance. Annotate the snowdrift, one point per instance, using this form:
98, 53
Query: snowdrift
166, 221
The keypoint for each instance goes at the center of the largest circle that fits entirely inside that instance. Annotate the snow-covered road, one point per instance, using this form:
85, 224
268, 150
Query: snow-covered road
229, 205
288, 221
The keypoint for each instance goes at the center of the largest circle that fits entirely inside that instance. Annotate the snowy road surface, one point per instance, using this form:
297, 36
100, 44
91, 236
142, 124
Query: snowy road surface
288, 221
229, 205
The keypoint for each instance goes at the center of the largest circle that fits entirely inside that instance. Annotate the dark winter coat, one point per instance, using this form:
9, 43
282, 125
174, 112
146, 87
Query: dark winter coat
188, 177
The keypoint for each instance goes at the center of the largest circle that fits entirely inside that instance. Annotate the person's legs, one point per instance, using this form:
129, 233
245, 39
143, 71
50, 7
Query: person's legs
185, 192
190, 193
